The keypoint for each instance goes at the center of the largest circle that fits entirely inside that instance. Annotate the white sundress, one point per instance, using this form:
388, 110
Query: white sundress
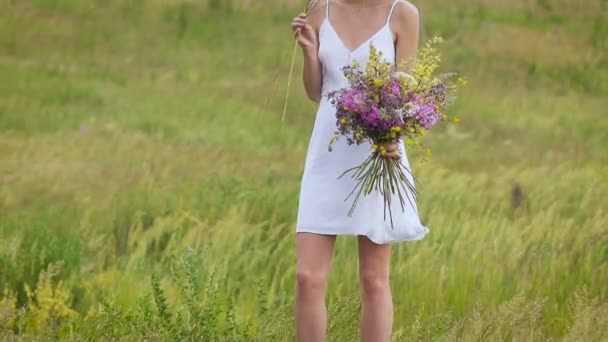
322, 207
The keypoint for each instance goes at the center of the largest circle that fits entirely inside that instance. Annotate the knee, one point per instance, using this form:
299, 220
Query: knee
374, 283
308, 281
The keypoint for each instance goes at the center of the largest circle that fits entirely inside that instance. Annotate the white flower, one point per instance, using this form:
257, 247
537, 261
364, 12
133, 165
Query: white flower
409, 110
401, 113
404, 75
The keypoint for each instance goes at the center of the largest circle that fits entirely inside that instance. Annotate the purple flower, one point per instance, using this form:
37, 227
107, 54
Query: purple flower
396, 88
439, 92
372, 117
425, 112
390, 102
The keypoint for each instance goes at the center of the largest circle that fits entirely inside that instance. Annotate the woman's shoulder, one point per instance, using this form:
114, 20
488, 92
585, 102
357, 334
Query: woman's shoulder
405, 10
405, 16
316, 13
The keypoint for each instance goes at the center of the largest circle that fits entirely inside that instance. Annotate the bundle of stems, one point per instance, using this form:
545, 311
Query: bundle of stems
388, 176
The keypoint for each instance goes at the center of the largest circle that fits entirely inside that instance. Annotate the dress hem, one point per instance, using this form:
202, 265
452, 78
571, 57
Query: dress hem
421, 234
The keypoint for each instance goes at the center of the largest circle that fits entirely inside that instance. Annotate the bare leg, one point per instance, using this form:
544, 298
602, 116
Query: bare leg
377, 310
314, 253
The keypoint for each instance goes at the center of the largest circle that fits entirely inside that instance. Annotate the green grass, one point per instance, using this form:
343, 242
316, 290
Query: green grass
145, 137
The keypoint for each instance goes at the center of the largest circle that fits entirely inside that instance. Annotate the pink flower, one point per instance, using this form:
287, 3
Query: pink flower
355, 100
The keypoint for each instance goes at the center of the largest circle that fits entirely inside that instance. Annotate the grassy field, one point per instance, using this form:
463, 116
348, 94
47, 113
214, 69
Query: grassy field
148, 188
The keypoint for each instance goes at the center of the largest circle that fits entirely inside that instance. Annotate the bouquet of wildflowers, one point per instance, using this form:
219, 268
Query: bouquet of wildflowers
384, 103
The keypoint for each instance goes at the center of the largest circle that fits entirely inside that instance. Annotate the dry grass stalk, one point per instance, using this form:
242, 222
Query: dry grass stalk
309, 5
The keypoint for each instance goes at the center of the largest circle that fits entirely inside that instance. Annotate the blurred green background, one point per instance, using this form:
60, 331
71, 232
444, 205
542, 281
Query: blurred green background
148, 187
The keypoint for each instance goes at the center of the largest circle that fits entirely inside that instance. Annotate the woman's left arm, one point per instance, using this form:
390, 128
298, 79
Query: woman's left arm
405, 24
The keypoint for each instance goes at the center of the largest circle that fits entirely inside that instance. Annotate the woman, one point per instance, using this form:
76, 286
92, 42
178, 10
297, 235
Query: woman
333, 34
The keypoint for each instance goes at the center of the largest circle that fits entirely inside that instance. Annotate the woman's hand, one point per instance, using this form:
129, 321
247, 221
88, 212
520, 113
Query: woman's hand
304, 32
391, 150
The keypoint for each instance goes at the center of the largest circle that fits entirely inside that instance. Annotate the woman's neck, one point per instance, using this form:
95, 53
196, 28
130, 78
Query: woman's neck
364, 2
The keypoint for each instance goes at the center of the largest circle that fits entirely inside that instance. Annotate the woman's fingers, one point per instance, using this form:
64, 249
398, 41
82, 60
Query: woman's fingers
391, 150
300, 18
392, 146
299, 22
394, 155
297, 25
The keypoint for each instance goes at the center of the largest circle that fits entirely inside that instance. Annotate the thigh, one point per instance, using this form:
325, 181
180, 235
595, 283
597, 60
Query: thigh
374, 259
314, 253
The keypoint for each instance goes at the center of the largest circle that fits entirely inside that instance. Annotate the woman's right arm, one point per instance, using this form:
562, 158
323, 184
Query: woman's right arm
312, 75
308, 41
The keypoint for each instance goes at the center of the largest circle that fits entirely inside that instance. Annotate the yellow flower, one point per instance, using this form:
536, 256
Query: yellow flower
397, 129
332, 140
411, 130
378, 82
393, 134
456, 119
343, 121
445, 117
409, 142
345, 108
422, 132
375, 146
462, 81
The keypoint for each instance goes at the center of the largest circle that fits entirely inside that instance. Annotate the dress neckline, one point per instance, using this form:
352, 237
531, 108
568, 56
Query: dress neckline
360, 46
